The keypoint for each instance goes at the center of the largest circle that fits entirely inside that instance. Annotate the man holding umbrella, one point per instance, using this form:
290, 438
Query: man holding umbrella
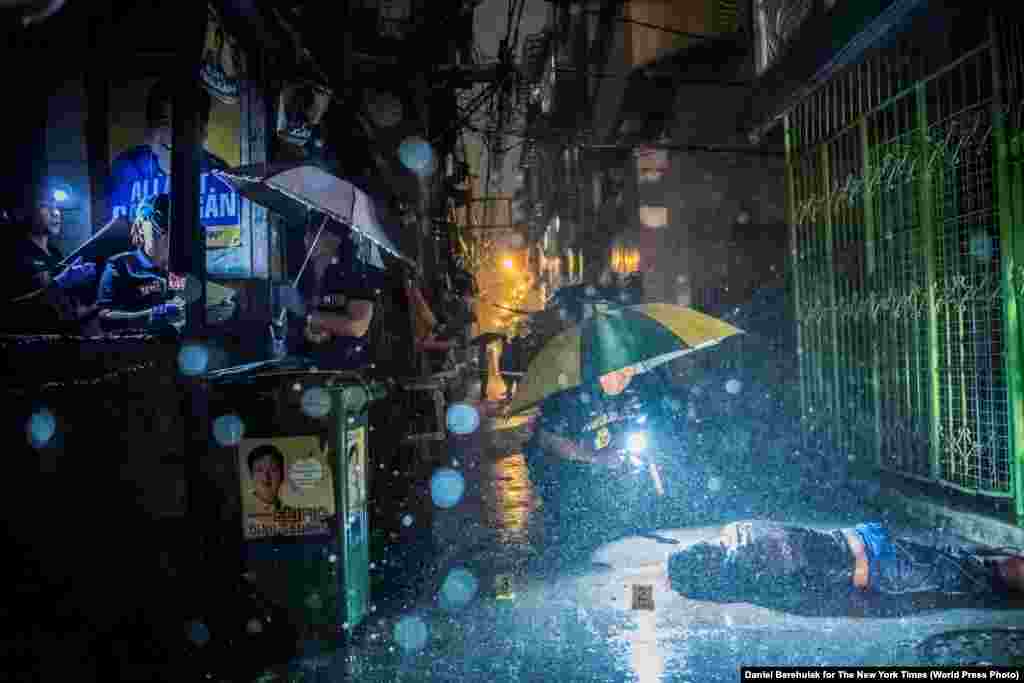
606, 405
336, 303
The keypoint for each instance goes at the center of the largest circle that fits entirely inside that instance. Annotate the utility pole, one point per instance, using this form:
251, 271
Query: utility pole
188, 255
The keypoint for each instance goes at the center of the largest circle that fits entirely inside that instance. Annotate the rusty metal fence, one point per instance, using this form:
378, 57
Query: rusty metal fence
905, 192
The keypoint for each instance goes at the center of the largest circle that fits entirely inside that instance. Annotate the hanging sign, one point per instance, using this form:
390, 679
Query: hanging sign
219, 70
301, 108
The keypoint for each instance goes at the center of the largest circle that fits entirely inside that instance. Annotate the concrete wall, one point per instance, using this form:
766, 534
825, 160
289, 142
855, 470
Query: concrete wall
727, 222
726, 216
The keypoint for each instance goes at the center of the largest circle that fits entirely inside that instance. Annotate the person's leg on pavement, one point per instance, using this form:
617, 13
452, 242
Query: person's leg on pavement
903, 566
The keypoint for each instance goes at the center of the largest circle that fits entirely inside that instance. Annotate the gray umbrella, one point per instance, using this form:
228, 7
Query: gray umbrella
292, 189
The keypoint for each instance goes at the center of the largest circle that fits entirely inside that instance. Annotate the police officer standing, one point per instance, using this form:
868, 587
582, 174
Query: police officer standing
336, 305
43, 294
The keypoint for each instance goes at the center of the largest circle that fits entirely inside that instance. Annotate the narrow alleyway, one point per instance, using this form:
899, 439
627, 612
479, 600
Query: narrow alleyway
497, 602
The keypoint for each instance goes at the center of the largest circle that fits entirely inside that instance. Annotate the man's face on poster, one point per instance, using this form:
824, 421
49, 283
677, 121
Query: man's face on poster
267, 476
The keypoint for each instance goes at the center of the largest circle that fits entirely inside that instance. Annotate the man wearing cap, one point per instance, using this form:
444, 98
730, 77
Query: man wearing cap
764, 561
335, 307
135, 290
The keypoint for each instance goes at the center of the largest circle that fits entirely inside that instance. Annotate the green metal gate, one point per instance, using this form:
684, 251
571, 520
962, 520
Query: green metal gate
904, 187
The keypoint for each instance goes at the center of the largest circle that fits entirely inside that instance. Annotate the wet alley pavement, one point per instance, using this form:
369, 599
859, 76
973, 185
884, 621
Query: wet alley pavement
497, 602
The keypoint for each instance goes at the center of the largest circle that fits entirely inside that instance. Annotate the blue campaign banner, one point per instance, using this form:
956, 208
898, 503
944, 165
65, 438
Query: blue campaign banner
136, 175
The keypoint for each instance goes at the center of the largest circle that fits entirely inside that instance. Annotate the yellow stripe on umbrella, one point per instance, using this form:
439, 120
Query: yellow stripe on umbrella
615, 339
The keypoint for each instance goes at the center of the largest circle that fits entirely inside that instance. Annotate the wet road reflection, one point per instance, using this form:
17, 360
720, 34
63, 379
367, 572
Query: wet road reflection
503, 602
509, 502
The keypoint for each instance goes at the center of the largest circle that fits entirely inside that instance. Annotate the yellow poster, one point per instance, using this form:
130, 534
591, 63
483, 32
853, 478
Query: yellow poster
287, 487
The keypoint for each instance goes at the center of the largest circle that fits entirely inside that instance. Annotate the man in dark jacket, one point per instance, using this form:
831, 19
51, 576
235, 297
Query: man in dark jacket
761, 561
335, 306
43, 294
511, 364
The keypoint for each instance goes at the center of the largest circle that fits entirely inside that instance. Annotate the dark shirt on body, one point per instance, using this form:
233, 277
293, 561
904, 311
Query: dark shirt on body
29, 261
342, 282
131, 283
49, 312
772, 562
767, 559
587, 415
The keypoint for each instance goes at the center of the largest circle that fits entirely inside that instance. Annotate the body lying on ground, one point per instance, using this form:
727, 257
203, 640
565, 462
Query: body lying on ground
757, 560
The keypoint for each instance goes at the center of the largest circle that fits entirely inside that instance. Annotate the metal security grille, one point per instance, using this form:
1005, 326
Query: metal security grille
903, 201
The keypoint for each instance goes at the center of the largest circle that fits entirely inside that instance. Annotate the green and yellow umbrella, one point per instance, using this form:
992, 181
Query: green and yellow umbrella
636, 338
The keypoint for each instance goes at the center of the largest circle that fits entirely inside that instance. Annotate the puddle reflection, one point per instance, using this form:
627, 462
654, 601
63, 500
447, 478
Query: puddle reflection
508, 502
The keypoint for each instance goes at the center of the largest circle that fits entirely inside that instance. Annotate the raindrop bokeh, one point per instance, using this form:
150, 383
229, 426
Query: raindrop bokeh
407, 520
316, 402
197, 632
734, 386
228, 430
446, 487
714, 484
411, 633
459, 588
417, 155
193, 359
314, 601
462, 418
981, 245
40, 428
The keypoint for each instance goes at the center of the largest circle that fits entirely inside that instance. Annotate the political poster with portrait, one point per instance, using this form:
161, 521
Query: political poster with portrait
287, 487
140, 153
